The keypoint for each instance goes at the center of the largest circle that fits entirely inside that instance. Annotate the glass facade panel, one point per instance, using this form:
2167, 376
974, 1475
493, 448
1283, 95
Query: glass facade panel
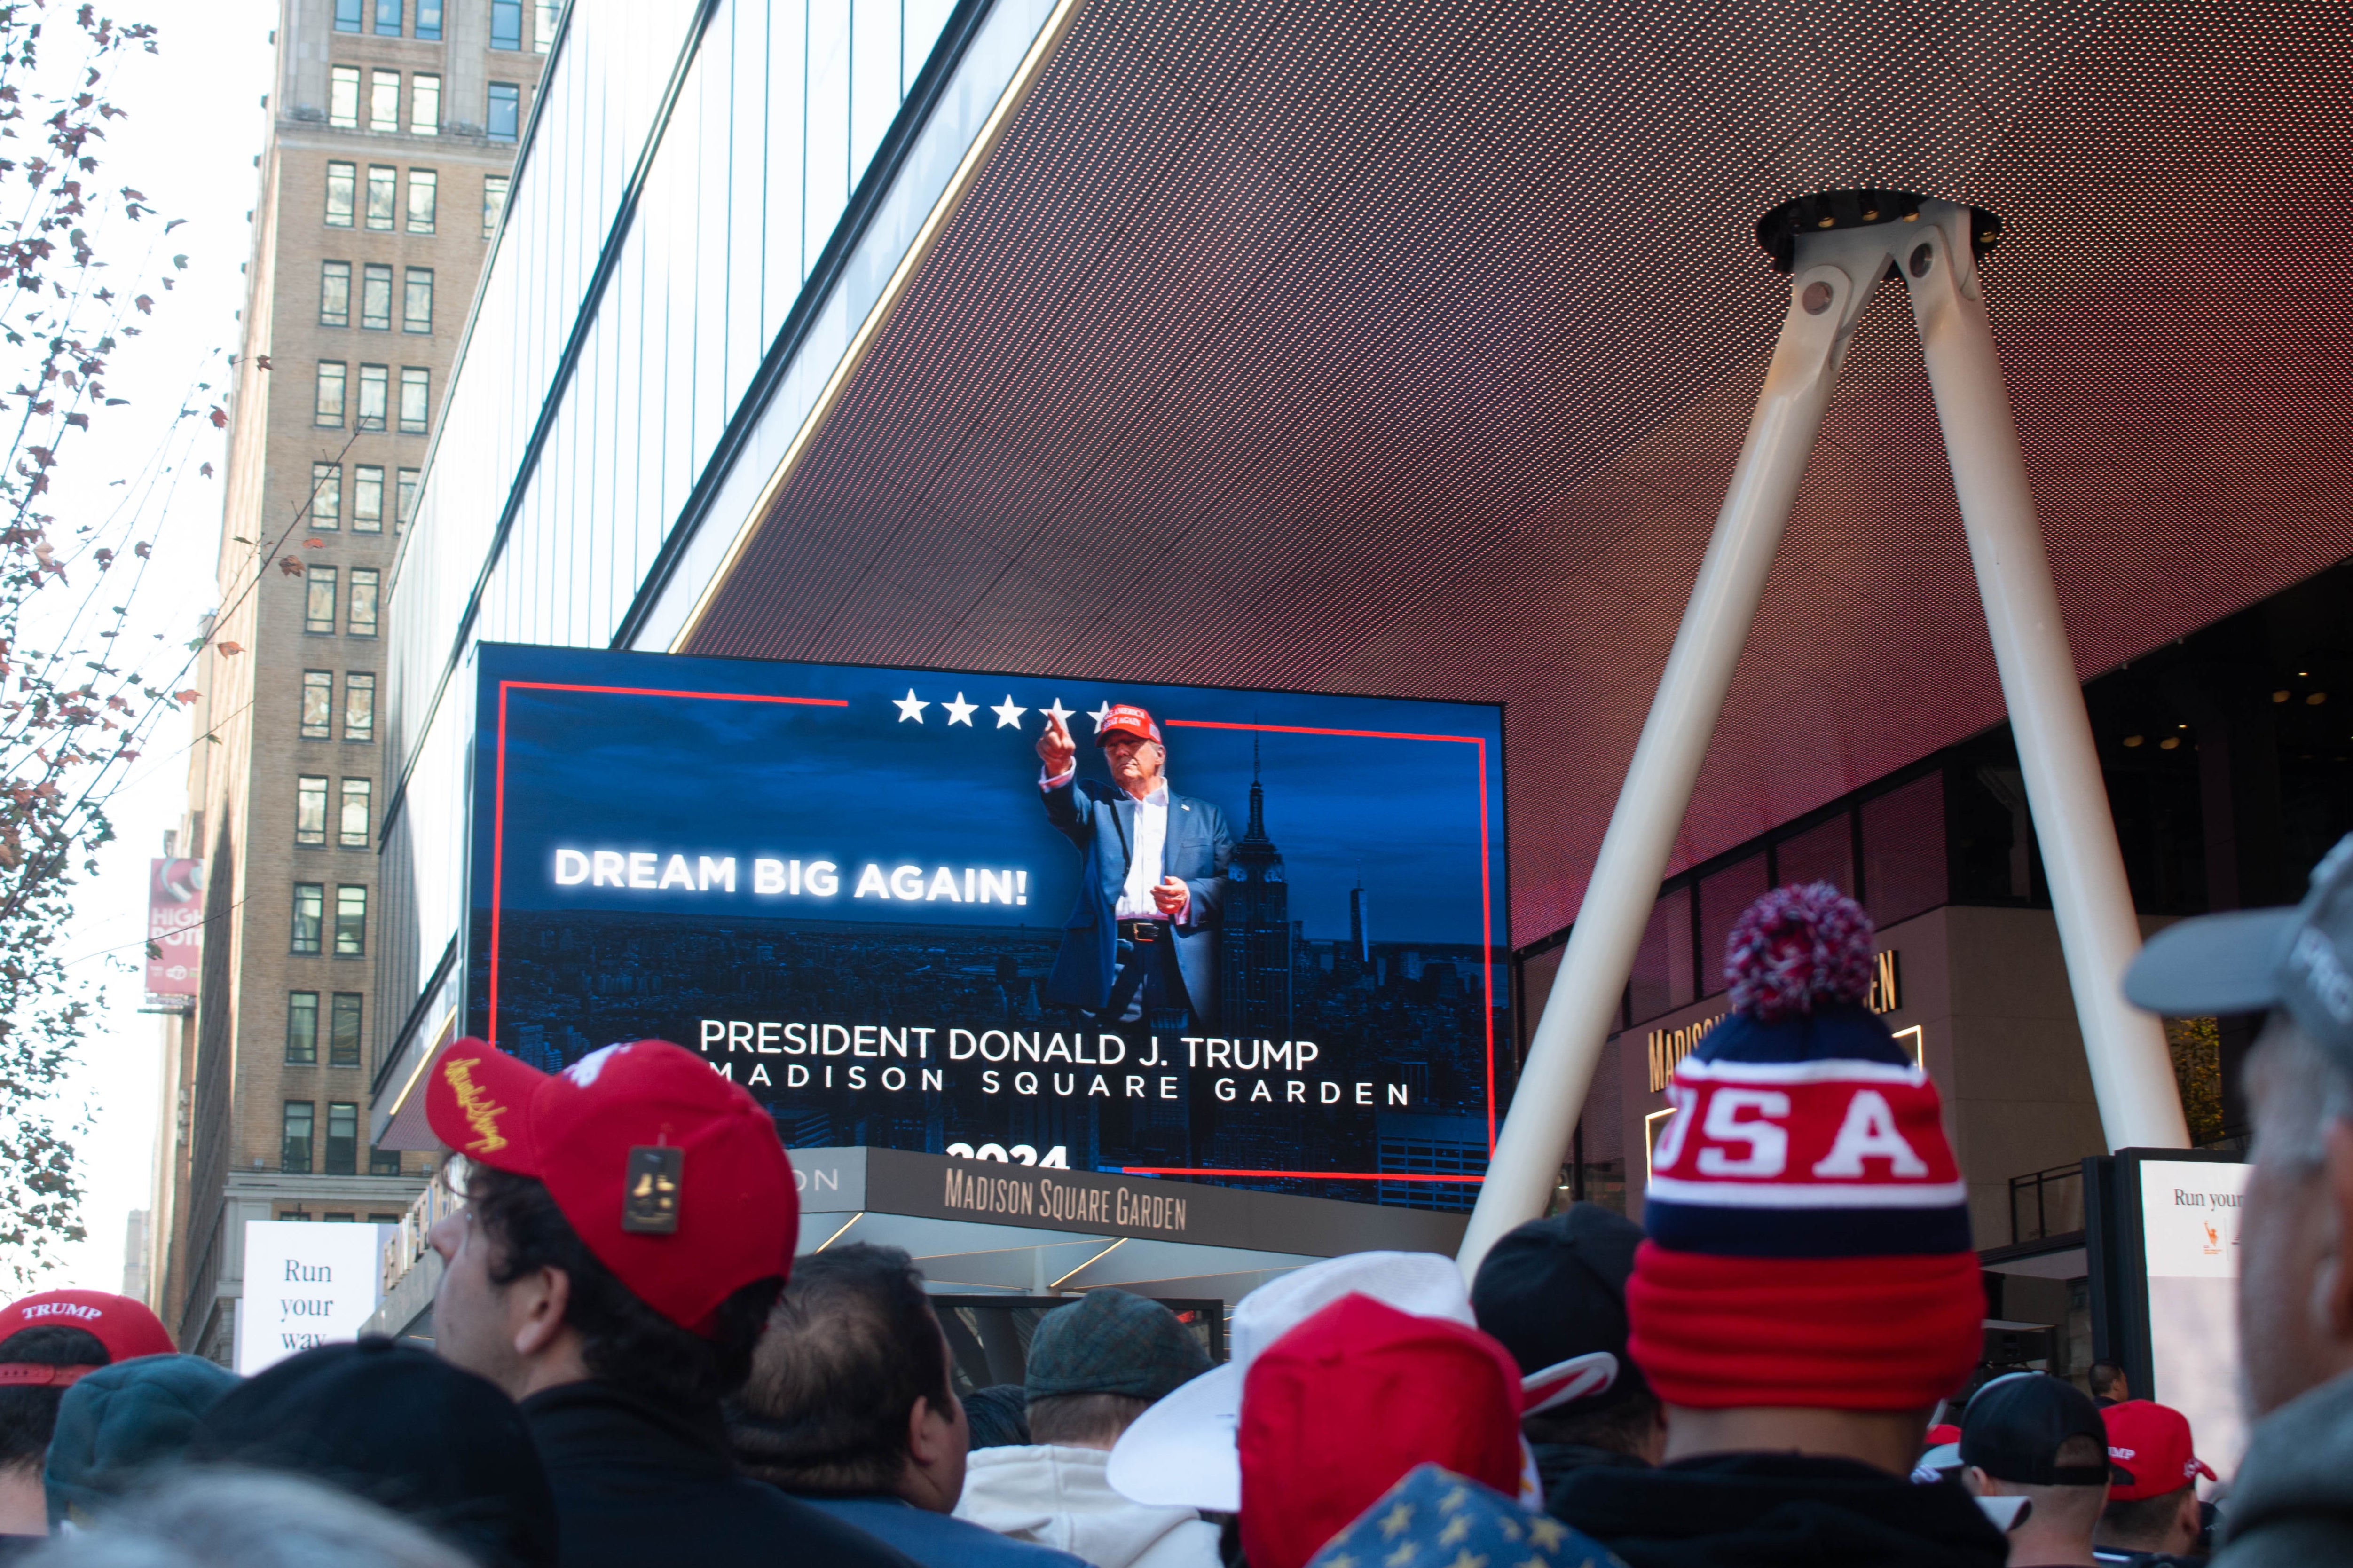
363, 600
376, 384
326, 496
347, 15
318, 705
351, 922
310, 910
387, 18
417, 301
1821, 853
503, 118
494, 202
1903, 866
543, 27
375, 298
294, 1139
343, 1034
319, 600
383, 101
424, 197
303, 1029
1722, 897
310, 809
425, 105
1664, 978
416, 396
359, 706
428, 20
383, 179
506, 23
352, 823
342, 180
344, 96
367, 499
335, 294
327, 399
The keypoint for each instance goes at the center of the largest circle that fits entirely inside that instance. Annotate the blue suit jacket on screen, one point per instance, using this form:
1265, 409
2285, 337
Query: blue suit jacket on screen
1100, 820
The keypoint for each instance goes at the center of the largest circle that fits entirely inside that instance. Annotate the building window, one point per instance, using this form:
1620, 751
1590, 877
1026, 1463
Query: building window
294, 1149
326, 496
352, 826
543, 32
416, 303
382, 178
408, 500
343, 1141
309, 908
428, 20
375, 298
423, 195
318, 705
505, 116
506, 23
359, 706
375, 381
351, 922
335, 294
494, 202
319, 600
383, 101
347, 15
385, 1162
343, 1031
301, 1028
341, 180
367, 499
363, 588
310, 809
425, 104
387, 18
327, 404
344, 98
415, 398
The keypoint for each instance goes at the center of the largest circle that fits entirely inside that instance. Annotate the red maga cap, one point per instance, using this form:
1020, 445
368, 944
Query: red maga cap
2152, 1441
1339, 1409
1126, 718
673, 1177
124, 1326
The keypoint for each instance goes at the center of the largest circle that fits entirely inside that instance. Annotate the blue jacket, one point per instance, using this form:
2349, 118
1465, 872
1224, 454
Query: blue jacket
938, 1539
1100, 820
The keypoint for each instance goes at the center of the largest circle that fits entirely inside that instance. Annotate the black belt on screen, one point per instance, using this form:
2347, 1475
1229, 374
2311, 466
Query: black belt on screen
1141, 930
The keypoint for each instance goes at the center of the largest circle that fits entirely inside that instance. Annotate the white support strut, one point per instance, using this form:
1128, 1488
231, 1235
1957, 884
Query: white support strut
2132, 1070
1832, 281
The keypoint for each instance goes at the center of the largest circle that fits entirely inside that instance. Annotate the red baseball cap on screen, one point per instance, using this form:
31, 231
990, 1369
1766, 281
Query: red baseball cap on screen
1341, 1407
1126, 718
616, 1124
124, 1326
2152, 1441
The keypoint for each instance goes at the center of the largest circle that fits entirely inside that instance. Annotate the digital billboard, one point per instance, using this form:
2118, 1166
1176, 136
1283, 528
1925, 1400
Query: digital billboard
917, 909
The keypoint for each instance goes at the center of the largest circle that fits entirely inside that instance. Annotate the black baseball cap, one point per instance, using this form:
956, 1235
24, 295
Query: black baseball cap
2015, 1425
2299, 961
1554, 1292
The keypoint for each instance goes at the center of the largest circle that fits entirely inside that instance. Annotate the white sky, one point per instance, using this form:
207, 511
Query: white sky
195, 123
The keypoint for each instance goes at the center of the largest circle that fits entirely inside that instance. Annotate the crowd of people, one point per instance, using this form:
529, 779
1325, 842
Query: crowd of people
630, 1367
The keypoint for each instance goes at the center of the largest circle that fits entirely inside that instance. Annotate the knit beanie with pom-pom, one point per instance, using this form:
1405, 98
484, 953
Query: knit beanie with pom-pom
1808, 1229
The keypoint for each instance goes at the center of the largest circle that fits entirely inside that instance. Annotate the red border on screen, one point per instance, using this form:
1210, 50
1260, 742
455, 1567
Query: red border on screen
1486, 891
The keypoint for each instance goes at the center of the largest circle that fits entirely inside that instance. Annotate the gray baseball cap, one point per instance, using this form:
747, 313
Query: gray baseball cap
2253, 960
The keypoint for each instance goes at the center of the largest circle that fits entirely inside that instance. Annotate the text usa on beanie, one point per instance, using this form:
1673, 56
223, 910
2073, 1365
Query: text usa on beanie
1808, 1227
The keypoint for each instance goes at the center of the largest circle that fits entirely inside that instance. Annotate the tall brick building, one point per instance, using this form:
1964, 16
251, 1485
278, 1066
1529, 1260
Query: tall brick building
391, 137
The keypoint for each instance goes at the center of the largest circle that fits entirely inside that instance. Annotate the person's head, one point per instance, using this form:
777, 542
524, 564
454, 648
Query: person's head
47, 1344
239, 1520
404, 1429
2108, 1382
1095, 1366
850, 1393
1808, 1282
630, 1219
2040, 1437
1343, 1406
1554, 1292
1131, 748
120, 1424
2295, 1237
2156, 1510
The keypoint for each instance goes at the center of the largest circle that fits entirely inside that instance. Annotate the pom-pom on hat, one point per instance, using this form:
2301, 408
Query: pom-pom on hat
1807, 1226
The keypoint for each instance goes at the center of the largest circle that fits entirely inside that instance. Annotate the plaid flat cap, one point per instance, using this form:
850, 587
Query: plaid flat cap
1113, 1343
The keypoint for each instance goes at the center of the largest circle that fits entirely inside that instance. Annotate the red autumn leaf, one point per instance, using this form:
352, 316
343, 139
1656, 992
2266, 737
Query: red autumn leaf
219, 419
146, 305
206, 470
190, 696
291, 565
311, 544
230, 647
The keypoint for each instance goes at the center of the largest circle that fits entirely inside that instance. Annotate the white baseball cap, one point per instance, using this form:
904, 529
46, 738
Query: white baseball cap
1182, 1451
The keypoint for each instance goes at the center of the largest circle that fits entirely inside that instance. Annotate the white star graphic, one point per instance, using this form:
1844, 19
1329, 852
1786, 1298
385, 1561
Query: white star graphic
1058, 710
1099, 714
909, 708
960, 711
1009, 715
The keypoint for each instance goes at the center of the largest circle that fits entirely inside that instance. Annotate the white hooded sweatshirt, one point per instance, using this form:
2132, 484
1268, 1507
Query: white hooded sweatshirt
1057, 1497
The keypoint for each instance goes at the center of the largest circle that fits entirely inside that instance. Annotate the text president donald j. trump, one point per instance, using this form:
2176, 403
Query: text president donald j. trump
1143, 933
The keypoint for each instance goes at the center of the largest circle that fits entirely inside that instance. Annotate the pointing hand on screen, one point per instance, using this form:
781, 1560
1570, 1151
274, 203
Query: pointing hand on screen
1055, 746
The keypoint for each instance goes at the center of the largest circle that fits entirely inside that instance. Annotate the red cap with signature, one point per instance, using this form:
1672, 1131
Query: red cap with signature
673, 1175
1126, 718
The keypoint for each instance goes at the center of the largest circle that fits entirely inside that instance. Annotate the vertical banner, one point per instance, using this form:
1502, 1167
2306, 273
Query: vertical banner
2189, 1230
176, 912
305, 1284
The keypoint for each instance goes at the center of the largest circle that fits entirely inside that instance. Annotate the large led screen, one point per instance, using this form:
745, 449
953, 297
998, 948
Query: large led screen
858, 893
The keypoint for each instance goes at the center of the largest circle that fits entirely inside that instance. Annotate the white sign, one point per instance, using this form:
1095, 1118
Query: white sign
2190, 1222
305, 1285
